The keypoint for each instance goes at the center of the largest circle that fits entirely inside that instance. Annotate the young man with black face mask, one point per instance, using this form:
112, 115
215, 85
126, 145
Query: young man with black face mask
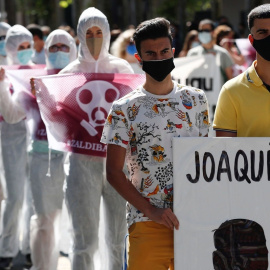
243, 104
148, 119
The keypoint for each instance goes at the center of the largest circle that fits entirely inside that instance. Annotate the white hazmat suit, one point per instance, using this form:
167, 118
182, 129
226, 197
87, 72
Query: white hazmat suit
3, 31
3, 61
14, 155
86, 181
47, 191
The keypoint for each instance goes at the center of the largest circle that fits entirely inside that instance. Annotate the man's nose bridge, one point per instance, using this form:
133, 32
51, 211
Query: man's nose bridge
159, 56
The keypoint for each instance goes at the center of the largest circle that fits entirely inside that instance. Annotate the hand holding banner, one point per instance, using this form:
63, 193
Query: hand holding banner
20, 81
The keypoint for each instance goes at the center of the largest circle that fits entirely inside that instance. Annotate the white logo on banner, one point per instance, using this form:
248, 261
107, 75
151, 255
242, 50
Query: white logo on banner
96, 103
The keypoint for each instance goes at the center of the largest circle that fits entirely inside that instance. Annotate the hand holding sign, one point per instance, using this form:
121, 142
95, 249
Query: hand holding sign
164, 216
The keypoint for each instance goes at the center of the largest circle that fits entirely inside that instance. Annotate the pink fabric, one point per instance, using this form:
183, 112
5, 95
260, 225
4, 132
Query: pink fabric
74, 107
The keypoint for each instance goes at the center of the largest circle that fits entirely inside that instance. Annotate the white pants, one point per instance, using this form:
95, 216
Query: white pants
47, 195
85, 185
14, 157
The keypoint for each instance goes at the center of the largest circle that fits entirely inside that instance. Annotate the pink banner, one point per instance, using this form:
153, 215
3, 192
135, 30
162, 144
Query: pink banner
20, 81
16, 67
74, 107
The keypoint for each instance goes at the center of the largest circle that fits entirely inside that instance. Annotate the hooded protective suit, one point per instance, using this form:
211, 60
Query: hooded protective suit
3, 31
47, 191
60, 36
14, 155
86, 181
16, 35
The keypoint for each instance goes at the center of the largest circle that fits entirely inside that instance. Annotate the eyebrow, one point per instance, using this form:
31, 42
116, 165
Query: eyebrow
262, 29
165, 49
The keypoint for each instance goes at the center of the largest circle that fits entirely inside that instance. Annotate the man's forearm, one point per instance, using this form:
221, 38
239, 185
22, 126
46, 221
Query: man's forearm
126, 189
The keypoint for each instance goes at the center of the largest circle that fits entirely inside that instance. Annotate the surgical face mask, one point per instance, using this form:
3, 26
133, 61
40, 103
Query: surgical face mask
262, 47
131, 49
24, 56
205, 37
3, 48
59, 59
94, 46
194, 44
158, 69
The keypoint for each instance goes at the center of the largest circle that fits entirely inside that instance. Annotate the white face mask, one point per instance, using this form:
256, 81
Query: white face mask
194, 44
94, 46
24, 56
58, 59
205, 37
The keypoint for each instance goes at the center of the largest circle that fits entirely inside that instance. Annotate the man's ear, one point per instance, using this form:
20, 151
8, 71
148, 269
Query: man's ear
251, 39
138, 57
173, 50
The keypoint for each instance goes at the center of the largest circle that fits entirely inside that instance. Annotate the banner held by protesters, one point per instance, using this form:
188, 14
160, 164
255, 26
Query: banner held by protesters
74, 107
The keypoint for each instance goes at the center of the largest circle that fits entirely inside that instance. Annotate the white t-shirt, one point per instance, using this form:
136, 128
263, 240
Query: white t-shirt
145, 124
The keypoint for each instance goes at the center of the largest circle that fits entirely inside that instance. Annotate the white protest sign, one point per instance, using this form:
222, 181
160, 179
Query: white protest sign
201, 72
217, 179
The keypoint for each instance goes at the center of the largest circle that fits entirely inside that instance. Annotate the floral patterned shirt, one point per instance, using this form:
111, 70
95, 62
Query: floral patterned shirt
145, 124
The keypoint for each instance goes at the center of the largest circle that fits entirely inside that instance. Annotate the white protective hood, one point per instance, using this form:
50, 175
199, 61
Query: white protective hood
4, 28
106, 63
60, 36
89, 18
16, 35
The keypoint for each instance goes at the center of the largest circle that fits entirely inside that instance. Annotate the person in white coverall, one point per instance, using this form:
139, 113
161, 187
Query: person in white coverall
19, 44
86, 182
47, 191
3, 31
60, 50
3, 61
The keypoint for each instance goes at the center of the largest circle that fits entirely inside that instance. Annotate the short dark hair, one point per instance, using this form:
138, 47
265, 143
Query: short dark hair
35, 30
207, 21
152, 29
260, 12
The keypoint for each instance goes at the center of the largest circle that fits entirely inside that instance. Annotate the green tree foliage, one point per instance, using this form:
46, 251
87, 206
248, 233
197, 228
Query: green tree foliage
35, 9
170, 10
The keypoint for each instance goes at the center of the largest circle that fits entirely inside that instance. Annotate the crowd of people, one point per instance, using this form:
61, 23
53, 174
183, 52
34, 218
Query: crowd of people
147, 49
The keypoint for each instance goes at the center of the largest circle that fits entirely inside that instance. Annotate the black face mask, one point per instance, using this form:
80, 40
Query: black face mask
262, 46
158, 69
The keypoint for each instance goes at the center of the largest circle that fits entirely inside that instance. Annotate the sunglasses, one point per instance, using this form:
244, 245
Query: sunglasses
205, 30
62, 48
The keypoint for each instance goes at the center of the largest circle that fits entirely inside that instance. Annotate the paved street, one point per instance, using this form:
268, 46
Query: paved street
63, 263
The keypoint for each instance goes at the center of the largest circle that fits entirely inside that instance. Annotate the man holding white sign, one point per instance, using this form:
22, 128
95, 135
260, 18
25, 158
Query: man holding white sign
149, 118
243, 104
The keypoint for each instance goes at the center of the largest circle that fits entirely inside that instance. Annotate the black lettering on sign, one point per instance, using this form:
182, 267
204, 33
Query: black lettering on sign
244, 170
240, 171
197, 165
196, 82
205, 87
261, 164
212, 174
227, 169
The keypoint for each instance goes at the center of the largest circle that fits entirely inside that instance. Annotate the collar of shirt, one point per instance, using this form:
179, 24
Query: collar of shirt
252, 75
